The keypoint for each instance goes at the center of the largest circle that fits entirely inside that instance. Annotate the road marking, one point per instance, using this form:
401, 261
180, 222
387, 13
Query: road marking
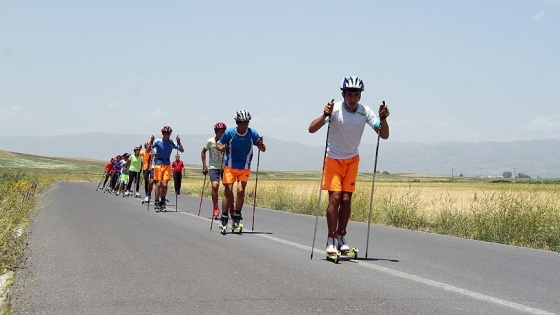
407, 276
404, 275
444, 286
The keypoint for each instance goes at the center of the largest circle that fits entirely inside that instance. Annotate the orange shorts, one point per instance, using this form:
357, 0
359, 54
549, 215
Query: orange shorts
162, 172
231, 175
340, 175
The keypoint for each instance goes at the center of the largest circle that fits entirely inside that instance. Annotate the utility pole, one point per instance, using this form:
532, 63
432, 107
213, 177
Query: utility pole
452, 169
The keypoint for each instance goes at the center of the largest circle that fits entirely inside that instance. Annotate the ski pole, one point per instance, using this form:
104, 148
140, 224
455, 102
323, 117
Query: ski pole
221, 178
321, 186
177, 191
102, 177
201, 195
255, 192
373, 186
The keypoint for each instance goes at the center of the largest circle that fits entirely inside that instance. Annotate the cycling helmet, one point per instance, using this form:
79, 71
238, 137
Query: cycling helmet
220, 125
352, 82
242, 115
136, 148
166, 129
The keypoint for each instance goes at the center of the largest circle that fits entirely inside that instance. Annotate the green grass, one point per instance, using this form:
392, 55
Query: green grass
23, 178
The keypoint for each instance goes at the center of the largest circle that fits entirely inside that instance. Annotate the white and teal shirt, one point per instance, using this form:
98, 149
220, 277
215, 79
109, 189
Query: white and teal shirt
347, 128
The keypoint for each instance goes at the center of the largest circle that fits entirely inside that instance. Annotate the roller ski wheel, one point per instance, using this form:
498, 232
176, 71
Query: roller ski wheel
237, 228
335, 258
223, 229
351, 254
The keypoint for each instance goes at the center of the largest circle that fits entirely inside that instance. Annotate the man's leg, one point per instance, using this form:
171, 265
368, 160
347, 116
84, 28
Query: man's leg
344, 211
227, 201
240, 196
146, 182
215, 189
333, 210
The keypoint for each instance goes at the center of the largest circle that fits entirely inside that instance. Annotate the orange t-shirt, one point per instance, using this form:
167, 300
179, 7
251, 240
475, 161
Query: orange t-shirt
146, 159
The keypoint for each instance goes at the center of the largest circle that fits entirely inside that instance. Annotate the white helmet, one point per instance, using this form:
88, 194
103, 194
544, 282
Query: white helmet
242, 115
352, 82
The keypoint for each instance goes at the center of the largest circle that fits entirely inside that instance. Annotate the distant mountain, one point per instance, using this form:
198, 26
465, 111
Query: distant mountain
537, 158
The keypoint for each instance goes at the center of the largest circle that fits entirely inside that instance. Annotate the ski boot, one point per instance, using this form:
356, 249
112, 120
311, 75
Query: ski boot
235, 225
332, 253
223, 226
156, 205
343, 248
162, 205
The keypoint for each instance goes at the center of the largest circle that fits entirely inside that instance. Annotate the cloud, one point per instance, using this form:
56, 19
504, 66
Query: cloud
156, 114
112, 105
10, 111
544, 123
281, 119
539, 16
552, 2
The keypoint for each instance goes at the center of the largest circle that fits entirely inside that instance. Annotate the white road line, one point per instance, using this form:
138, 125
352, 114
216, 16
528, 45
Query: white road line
404, 275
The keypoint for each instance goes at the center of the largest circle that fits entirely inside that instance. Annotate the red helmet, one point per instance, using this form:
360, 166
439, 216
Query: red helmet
220, 125
166, 129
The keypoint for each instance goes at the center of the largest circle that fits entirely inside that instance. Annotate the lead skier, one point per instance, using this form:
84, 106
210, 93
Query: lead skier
347, 120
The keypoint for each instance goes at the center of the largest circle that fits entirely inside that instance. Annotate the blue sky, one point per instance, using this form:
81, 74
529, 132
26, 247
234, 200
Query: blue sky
467, 71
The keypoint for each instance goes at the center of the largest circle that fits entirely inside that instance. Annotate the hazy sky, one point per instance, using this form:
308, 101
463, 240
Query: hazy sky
472, 71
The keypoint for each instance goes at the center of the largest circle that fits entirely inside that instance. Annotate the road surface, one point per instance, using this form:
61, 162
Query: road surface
94, 253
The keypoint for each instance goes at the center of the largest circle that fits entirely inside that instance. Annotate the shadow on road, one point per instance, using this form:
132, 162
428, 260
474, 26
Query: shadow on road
379, 259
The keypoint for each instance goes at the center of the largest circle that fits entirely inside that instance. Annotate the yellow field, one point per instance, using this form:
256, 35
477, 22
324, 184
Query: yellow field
518, 213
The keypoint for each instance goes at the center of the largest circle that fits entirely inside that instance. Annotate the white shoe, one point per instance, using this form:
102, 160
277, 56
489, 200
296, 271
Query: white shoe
331, 245
138, 195
342, 245
117, 193
126, 193
147, 199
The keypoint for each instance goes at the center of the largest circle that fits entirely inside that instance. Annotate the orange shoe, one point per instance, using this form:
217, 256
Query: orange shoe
216, 212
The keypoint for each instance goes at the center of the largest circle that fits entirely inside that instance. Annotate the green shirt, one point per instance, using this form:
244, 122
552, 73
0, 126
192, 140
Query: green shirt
135, 163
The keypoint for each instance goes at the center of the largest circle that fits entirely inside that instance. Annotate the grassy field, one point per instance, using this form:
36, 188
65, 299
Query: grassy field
523, 213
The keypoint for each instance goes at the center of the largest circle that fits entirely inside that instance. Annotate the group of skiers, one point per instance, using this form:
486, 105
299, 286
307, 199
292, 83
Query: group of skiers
230, 153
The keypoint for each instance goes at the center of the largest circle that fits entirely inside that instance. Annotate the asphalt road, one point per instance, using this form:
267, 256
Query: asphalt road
95, 253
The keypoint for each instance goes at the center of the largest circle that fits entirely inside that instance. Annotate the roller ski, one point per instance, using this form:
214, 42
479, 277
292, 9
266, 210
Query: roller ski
340, 251
146, 200
162, 205
236, 227
224, 225
156, 206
